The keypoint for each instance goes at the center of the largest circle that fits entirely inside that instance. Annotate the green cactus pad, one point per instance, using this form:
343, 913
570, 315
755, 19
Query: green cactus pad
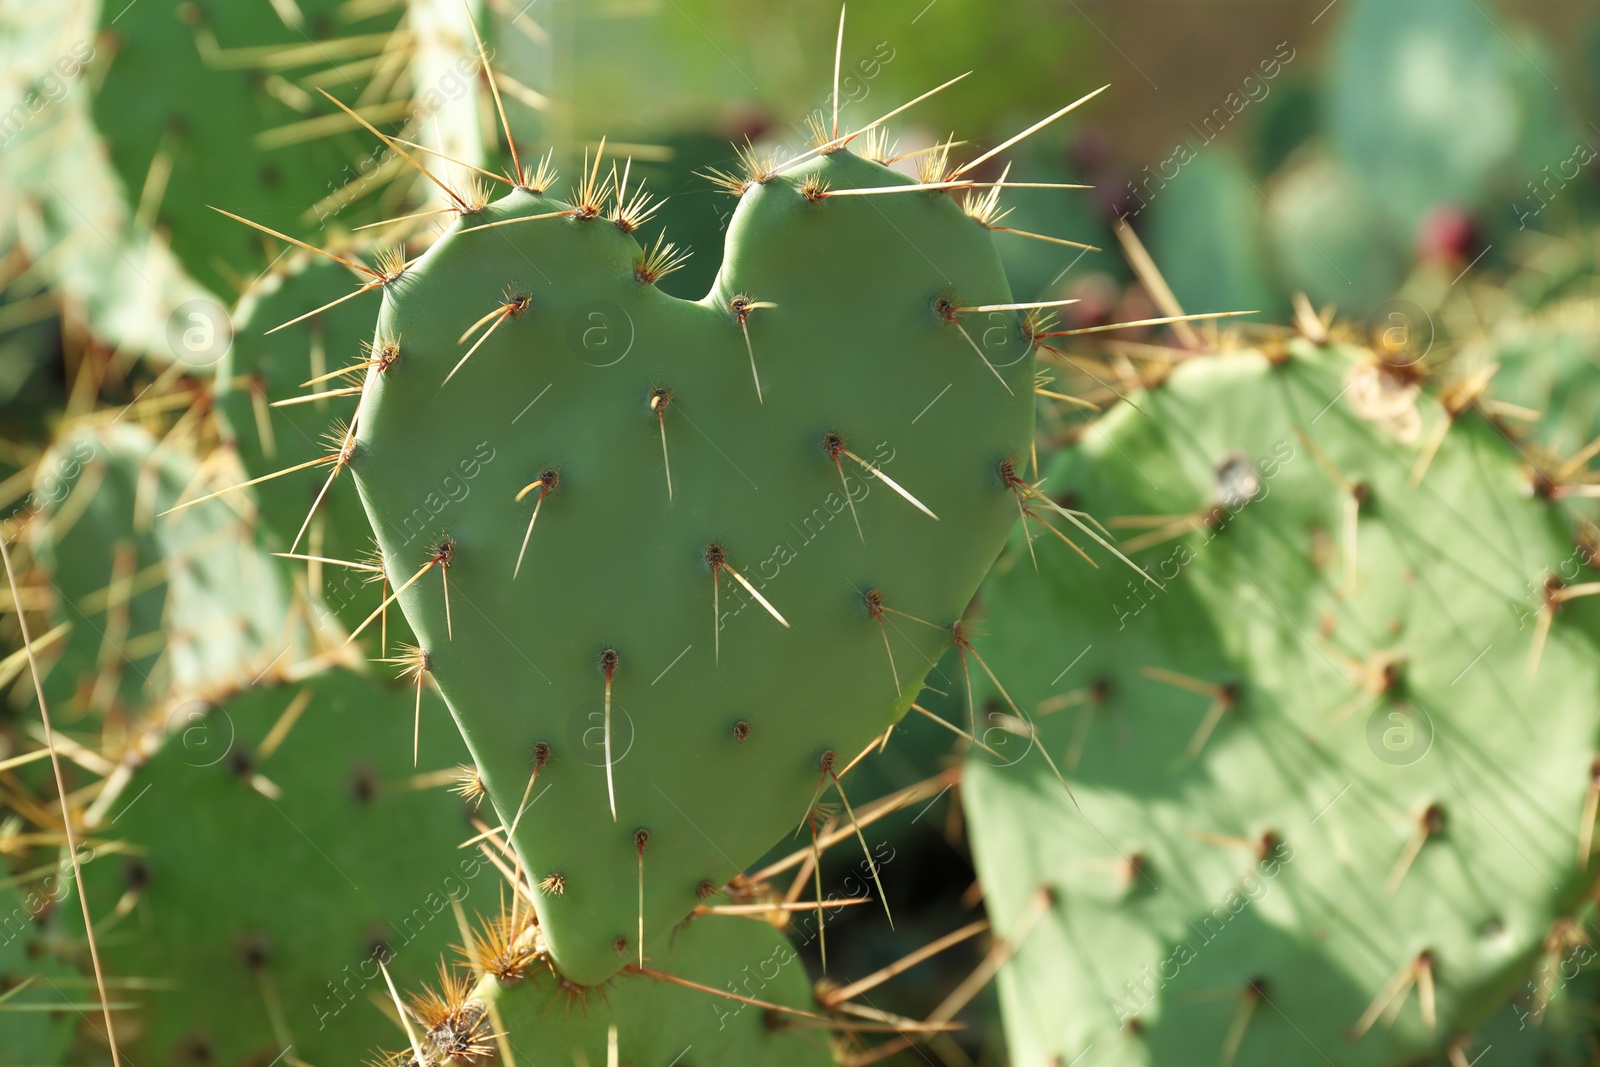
1549, 362
1562, 1033
212, 90
31, 977
715, 753
241, 906
264, 367
206, 609
546, 1022
1248, 895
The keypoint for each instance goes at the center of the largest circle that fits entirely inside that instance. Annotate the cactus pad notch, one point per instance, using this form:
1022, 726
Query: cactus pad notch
1322, 798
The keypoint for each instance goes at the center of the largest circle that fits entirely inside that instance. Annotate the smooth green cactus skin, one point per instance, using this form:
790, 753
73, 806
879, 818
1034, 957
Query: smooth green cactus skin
547, 1025
206, 609
262, 368
855, 347
210, 88
29, 1036
244, 904
1270, 857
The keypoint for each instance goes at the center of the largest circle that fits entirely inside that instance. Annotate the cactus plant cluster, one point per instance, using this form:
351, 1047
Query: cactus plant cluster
122, 123
225, 748
466, 654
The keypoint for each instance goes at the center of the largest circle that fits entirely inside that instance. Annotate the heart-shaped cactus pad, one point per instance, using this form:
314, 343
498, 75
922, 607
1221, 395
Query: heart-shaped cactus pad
674, 564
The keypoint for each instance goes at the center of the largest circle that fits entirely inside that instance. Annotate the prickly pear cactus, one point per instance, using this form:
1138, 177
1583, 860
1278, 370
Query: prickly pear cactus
264, 367
1322, 803
745, 445
186, 605
269, 855
216, 103
757, 1011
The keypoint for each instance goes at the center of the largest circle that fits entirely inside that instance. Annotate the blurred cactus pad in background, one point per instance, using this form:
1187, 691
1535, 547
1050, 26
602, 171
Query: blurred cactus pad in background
718, 533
